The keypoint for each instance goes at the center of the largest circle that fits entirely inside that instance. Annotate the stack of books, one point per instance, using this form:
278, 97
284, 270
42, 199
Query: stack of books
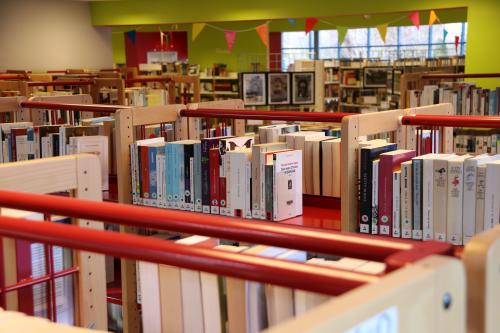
445, 197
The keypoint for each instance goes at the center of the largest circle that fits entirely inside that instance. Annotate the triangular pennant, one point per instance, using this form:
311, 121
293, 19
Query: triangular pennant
230, 37
292, 21
432, 17
197, 28
415, 19
382, 30
445, 33
131, 35
310, 23
342, 31
263, 32
457, 41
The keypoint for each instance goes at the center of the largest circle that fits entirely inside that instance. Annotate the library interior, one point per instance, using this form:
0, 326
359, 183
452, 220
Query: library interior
239, 167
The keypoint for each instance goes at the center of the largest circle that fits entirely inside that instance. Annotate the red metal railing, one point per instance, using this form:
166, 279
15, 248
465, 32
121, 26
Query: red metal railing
15, 77
61, 83
452, 121
159, 79
97, 108
395, 253
325, 117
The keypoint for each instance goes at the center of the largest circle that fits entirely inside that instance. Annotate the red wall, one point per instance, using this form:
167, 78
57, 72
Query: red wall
275, 51
136, 53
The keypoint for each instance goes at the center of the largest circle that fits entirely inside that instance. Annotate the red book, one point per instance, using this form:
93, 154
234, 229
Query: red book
213, 165
389, 162
144, 165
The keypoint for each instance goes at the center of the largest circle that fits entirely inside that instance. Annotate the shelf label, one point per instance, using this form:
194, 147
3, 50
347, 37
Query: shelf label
383, 322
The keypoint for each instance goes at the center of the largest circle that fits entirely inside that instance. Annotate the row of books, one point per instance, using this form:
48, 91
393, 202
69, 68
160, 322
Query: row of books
476, 141
145, 96
181, 300
467, 99
445, 197
23, 141
221, 175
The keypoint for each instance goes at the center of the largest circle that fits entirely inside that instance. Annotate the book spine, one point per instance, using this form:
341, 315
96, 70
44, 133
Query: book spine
188, 156
228, 170
214, 180
62, 141
480, 195
144, 175
191, 183
169, 174
262, 187
152, 177
417, 199
248, 189
222, 185
396, 204
455, 201
205, 175
180, 185
365, 192
427, 200
268, 191
375, 177
469, 207
159, 180
133, 172
197, 177
440, 189
56, 151
256, 155
492, 196
30, 144
406, 200
385, 195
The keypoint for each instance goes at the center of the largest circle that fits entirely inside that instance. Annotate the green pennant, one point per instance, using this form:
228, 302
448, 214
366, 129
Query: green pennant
342, 31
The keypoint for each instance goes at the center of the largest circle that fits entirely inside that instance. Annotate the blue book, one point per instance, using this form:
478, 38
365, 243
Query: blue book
153, 177
169, 173
30, 135
492, 106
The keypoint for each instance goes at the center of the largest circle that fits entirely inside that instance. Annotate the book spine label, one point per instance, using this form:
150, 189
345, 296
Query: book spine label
406, 200
396, 204
385, 195
144, 175
375, 176
455, 200
214, 181
197, 177
427, 200
417, 199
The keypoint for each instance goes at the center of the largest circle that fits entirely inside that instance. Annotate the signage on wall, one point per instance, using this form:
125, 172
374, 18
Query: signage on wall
161, 57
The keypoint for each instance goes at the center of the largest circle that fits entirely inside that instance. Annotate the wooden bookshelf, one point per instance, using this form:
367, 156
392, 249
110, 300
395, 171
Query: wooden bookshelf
219, 87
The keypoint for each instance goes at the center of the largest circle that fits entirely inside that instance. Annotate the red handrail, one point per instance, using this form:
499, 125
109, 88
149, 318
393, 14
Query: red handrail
395, 253
325, 117
148, 79
74, 107
452, 121
61, 83
15, 77
288, 274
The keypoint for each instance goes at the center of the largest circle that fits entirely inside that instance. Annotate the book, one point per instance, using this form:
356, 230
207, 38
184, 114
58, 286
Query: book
312, 166
240, 180
396, 204
454, 221
97, 145
389, 162
406, 200
440, 196
304, 301
492, 195
65, 132
480, 195
214, 180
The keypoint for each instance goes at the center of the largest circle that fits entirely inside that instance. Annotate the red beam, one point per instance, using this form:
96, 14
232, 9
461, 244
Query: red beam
16, 77
61, 83
32, 281
74, 107
325, 117
148, 79
288, 274
256, 232
452, 121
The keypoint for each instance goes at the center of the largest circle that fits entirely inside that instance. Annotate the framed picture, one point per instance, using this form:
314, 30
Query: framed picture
376, 77
302, 88
278, 88
254, 88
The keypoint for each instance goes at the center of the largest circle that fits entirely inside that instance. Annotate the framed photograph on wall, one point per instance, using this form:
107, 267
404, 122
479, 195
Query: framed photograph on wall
253, 88
376, 77
303, 88
278, 88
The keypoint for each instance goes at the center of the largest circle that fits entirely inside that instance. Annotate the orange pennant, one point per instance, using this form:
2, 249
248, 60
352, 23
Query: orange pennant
263, 32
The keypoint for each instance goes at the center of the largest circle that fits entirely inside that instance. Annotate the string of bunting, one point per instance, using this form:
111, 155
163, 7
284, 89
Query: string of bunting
262, 30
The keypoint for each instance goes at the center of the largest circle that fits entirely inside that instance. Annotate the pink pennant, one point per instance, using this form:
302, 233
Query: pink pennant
415, 19
310, 23
230, 37
457, 41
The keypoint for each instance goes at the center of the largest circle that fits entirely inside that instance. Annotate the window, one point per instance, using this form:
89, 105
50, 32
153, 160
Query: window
401, 42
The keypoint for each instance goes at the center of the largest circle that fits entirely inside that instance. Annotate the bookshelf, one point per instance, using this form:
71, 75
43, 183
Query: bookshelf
79, 174
219, 87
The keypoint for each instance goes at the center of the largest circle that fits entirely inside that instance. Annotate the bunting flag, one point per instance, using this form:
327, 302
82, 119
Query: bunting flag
342, 31
382, 30
263, 32
131, 35
457, 41
292, 22
310, 23
415, 19
445, 33
230, 37
197, 28
432, 17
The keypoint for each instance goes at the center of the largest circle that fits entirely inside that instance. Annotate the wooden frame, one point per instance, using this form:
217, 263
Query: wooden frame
356, 126
428, 296
100, 83
482, 261
81, 175
20, 86
12, 105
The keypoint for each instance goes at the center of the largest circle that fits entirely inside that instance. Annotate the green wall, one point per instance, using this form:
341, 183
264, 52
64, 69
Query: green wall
483, 51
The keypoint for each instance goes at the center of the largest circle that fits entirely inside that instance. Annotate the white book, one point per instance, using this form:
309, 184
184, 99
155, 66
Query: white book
454, 217
327, 168
480, 194
287, 185
440, 195
406, 200
470, 190
492, 195
396, 204
427, 196
148, 296
305, 300
96, 145
336, 155
239, 192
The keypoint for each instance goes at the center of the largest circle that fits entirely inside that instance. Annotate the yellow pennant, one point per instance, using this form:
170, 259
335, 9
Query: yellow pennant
197, 28
432, 17
382, 30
